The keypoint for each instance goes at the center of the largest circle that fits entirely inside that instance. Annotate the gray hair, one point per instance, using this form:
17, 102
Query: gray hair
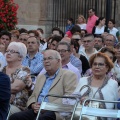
56, 53
21, 48
65, 43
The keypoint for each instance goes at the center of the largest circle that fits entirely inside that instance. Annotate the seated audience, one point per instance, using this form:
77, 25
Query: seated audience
19, 76
54, 81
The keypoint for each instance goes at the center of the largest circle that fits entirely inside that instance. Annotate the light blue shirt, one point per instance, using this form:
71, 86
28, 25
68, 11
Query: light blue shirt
76, 62
46, 87
35, 64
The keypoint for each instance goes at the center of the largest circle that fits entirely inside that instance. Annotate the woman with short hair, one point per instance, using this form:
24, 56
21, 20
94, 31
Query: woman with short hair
19, 75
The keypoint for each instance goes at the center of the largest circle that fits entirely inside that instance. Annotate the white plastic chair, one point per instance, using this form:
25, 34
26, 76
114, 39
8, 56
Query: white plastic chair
99, 112
58, 107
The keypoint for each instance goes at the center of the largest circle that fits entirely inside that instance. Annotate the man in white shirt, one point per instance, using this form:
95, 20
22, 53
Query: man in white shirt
88, 43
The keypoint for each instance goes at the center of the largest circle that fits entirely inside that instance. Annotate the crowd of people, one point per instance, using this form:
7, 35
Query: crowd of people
32, 66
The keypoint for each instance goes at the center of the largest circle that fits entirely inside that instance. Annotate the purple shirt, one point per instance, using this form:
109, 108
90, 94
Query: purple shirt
72, 68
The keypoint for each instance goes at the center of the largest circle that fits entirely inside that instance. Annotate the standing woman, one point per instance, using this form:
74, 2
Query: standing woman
100, 27
81, 22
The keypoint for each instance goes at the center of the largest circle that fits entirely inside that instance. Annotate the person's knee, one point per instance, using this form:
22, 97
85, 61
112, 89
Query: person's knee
14, 116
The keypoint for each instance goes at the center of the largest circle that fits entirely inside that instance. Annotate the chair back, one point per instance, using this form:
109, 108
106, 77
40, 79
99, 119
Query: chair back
99, 112
50, 106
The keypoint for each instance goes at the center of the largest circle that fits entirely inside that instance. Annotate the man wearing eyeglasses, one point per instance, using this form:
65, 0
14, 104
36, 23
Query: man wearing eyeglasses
88, 43
55, 81
91, 20
110, 41
65, 51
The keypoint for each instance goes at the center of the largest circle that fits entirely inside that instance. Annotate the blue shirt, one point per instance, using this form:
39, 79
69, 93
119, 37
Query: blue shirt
35, 64
69, 27
76, 62
46, 87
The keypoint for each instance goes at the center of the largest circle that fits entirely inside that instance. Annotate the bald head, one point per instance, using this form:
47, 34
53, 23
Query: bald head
52, 61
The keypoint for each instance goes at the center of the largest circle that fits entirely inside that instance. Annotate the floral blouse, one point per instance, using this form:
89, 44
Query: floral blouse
20, 99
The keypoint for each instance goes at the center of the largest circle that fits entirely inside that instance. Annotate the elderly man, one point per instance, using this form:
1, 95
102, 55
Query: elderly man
54, 81
110, 40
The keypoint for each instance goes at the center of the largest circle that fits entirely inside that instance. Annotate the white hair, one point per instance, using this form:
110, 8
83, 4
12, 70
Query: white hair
21, 48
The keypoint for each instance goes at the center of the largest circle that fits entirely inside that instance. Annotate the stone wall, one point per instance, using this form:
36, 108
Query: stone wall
34, 13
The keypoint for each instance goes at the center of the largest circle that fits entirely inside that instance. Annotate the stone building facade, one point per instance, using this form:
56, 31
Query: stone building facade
38, 13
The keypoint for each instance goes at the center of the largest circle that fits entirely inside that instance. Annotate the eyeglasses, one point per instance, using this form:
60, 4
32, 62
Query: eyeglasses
23, 39
62, 51
12, 51
87, 41
98, 64
48, 58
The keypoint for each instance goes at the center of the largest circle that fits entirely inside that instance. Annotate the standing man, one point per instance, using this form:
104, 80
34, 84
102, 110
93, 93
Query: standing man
55, 81
33, 59
91, 20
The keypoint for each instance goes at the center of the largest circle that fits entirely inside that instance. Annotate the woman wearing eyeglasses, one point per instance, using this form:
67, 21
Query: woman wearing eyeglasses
19, 75
104, 87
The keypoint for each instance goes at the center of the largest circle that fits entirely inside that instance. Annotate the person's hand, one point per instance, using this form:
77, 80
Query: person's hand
35, 107
82, 100
28, 81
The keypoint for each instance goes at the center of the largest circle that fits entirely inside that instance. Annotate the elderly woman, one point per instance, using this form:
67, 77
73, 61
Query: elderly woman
110, 52
107, 88
104, 87
19, 75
